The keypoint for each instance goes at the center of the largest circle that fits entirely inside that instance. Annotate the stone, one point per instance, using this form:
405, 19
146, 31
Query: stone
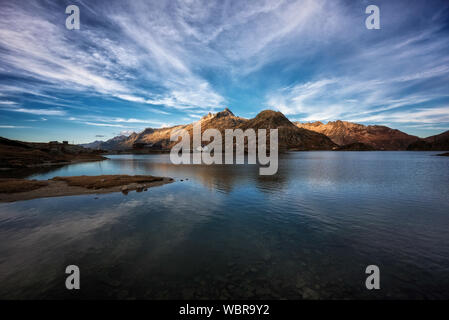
310, 294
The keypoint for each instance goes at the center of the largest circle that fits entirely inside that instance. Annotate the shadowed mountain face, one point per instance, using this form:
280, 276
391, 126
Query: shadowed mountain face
346, 133
290, 137
438, 142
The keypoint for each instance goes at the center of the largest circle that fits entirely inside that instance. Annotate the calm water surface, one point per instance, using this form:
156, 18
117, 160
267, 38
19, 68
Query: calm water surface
224, 231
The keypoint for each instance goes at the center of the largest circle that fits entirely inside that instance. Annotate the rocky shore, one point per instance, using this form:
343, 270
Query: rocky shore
21, 189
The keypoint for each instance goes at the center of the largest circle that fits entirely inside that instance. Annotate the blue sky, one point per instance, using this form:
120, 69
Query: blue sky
137, 64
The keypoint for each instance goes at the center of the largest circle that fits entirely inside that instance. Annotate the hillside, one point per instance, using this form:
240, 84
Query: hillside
439, 142
347, 133
17, 154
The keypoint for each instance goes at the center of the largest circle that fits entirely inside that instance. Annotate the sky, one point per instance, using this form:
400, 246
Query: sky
156, 63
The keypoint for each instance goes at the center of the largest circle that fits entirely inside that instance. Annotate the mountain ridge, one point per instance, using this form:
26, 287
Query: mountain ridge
334, 135
290, 137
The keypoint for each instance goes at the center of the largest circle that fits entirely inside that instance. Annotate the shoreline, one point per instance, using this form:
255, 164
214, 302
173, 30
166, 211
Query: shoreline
130, 152
12, 190
50, 164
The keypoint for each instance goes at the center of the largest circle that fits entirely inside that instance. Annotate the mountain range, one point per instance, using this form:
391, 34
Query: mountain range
335, 135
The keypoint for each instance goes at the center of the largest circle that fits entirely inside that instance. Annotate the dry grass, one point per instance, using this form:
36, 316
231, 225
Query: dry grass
19, 185
106, 181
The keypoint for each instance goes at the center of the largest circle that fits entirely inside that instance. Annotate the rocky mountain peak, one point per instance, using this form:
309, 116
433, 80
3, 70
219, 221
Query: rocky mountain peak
225, 113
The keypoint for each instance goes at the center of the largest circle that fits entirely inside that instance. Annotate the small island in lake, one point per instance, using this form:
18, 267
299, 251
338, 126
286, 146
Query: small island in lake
22, 189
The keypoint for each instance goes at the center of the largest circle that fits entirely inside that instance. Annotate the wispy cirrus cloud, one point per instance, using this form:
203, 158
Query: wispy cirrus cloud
12, 127
126, 123
98, 124
427, 116
7, 103
93, 62
398, 81
43, 112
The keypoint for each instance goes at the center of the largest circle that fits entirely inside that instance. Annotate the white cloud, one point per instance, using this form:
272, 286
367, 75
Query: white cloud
128, 123
8, 102
11, 127
131, 98
126, 132
97, 124
43, 112
419, 115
